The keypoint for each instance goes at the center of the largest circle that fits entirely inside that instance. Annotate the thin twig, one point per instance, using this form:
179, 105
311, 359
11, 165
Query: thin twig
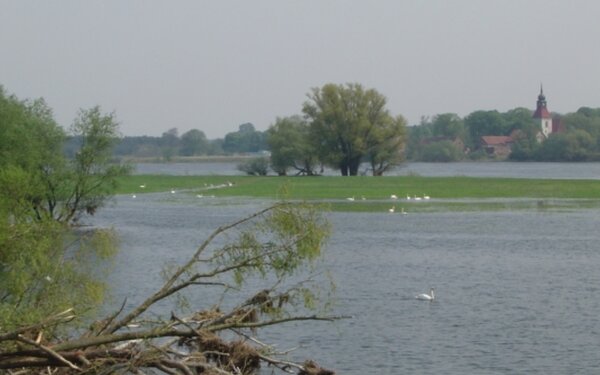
62, 317
51, 352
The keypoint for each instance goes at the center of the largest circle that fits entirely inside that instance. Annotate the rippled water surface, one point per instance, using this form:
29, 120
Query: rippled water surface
517, 292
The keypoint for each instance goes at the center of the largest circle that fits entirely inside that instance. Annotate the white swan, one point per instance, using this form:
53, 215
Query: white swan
402, 211
391, 210
426, 196
417, 198
393, 196
351, 199
407, 197
425, 296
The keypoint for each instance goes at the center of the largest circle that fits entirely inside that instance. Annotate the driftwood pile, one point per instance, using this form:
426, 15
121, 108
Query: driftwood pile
130, 343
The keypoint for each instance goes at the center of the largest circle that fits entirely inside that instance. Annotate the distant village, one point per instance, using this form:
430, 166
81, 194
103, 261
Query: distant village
519, 134
485, 135
500, 146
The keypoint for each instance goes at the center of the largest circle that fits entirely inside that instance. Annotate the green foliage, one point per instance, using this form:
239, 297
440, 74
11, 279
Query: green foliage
334, 188
575, 145
291, 146
385, 147
35, 172
169, 143
255, 167
246, 139
481, 123
443, 151
290, 237
91, 178
578, 139
45, 268
348, 123
448, 125
417, 135
193, 142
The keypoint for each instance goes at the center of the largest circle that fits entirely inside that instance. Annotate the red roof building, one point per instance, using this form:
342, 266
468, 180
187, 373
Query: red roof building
497, 145
542, 114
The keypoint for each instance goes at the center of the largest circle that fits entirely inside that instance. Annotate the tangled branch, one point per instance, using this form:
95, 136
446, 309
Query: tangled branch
285, 239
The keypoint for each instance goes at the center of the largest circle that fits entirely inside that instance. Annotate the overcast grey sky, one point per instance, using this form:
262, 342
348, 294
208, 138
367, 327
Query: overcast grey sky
213, 65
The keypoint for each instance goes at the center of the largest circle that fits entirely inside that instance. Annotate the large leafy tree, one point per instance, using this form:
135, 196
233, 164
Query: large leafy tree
482, 123
193, 142
346, 124
169, 143
448, 125
93, 175
246, 139
43, 266
291, 147
30, 139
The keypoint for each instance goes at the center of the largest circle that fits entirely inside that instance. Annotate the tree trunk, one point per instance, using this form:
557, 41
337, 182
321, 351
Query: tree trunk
354, 165
344, 168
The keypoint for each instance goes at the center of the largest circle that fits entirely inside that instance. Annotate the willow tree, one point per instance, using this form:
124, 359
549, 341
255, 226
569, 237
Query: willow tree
386, 145
350, 124
50, 185
291, 147
45, 264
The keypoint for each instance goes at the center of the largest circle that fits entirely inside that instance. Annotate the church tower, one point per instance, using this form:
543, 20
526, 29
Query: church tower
542, 115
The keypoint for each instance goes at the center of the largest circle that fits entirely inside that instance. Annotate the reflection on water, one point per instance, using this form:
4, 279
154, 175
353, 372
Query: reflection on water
517, 292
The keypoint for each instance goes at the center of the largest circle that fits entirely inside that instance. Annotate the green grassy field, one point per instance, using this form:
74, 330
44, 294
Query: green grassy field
373, 193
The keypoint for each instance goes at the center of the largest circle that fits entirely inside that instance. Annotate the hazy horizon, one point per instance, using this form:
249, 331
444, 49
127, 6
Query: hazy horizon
215, 65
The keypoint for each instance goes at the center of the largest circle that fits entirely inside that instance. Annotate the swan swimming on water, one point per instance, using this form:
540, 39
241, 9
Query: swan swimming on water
425, 296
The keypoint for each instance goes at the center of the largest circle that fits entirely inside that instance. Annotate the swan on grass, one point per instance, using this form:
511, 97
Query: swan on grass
425, 296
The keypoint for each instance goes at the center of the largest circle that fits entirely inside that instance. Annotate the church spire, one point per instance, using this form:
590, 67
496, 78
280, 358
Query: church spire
542, 114
541, 102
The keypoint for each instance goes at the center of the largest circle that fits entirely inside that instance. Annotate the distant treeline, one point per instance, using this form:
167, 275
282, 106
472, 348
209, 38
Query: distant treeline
443, 138
448, 137
191, 143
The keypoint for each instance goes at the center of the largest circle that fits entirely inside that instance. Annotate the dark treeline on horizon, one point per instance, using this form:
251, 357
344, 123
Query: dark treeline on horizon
191, 143
442, 138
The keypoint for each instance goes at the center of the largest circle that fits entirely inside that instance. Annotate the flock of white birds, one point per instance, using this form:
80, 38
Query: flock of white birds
206, 187
394, 197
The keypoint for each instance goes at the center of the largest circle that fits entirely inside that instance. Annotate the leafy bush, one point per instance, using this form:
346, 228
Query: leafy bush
255, 167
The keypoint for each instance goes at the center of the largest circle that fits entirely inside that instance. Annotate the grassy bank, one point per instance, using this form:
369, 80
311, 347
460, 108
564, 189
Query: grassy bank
373, 194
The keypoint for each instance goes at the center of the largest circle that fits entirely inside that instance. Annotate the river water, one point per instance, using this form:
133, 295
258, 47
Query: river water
516, 292
490, 169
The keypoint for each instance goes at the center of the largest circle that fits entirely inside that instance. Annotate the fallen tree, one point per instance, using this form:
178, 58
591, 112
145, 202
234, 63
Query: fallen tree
275, 244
